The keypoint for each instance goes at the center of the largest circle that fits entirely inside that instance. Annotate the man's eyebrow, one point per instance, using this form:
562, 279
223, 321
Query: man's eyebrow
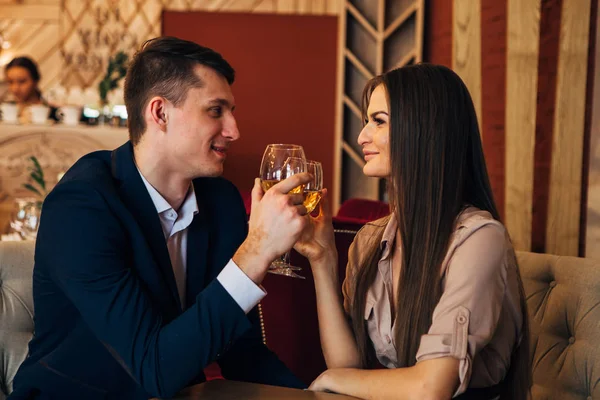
219, 102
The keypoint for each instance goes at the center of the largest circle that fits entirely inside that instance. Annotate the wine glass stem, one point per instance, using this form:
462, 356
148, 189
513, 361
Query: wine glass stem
282, 261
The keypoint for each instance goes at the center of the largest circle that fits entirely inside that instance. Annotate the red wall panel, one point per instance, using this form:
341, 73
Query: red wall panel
285, 81
493, 93
544, 124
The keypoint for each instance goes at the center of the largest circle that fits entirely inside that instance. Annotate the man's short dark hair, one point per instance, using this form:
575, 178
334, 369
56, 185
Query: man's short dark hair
164, 66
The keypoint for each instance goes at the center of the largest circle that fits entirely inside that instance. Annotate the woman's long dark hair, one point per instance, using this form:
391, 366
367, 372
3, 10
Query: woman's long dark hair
30, 66
437, 167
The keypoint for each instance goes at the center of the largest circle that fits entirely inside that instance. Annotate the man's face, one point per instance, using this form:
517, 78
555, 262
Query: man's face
201, 129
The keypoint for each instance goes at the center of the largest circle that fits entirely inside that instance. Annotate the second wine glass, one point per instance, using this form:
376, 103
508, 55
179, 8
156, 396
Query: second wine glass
313, 189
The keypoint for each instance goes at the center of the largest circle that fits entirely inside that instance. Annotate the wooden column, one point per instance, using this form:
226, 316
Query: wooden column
375, 36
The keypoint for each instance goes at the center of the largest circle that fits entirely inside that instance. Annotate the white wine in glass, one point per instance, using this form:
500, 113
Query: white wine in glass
311, 199
313, 189
268, 184
280, 161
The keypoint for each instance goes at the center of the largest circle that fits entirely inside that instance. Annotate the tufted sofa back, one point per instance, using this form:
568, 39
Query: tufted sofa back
563, 298
16, 308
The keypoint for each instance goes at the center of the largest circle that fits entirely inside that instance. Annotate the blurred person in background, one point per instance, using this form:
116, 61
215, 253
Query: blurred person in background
23, 78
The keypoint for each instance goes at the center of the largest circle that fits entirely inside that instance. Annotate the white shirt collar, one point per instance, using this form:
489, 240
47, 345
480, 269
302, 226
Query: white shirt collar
188, 208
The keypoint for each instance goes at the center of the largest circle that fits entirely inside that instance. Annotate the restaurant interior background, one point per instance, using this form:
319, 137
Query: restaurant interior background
531, 67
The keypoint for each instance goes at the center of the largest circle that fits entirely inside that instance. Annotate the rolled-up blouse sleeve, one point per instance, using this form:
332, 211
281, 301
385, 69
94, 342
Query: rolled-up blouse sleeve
467, 314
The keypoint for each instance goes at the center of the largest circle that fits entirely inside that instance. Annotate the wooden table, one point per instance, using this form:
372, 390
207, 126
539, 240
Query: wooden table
231, 390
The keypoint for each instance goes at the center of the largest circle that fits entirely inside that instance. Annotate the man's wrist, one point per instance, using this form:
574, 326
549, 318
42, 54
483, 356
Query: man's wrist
250, 260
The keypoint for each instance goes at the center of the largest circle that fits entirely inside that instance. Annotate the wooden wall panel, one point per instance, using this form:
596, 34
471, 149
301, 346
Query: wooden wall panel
521, 90
340, 110
591, 203
562, 232
546, 99
437, 46
466, 47
493, 94
538, 149
377, 36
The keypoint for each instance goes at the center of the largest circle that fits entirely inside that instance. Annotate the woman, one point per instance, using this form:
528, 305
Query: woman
432, 292
23, 77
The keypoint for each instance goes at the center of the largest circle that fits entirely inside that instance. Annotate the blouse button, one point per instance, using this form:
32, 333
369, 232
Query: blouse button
388, 339
571, 340
461, 319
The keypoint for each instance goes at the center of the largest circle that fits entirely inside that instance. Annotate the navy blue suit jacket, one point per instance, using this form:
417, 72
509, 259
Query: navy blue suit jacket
108, 319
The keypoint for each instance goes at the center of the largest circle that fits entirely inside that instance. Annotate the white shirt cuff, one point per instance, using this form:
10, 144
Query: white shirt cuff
243, 290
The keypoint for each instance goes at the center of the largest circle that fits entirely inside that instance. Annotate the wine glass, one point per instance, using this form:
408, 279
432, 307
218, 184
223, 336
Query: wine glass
313, 189
280, 161
26, 218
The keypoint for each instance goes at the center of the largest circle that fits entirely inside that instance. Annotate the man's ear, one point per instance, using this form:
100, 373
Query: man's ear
157, 110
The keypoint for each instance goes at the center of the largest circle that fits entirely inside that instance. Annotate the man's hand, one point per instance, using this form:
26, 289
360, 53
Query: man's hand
277, 220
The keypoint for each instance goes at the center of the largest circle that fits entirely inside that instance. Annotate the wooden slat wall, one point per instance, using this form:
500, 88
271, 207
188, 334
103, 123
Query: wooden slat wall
521, 91
438, 32
534, 60
592, 206
562, 235
466, 47
546, 98
336, 193
375, 36
493, 94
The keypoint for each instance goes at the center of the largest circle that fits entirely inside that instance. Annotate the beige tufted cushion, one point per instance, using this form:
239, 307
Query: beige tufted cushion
563, 298
16, 308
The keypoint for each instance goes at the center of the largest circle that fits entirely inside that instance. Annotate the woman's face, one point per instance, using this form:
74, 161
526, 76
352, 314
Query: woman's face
20, 83
375, 136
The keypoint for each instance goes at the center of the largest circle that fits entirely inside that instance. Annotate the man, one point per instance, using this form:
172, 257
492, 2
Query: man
145, 269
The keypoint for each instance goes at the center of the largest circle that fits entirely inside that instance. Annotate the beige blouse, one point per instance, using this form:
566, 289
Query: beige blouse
478, 318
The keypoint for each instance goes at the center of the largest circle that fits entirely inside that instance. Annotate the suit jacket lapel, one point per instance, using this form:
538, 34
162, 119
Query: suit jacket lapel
197, 250
137, 199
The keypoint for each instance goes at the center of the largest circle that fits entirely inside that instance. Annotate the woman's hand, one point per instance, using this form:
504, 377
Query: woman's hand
317, 241
324, 382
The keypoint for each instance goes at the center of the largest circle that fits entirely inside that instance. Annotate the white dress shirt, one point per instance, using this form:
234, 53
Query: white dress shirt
175, 226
